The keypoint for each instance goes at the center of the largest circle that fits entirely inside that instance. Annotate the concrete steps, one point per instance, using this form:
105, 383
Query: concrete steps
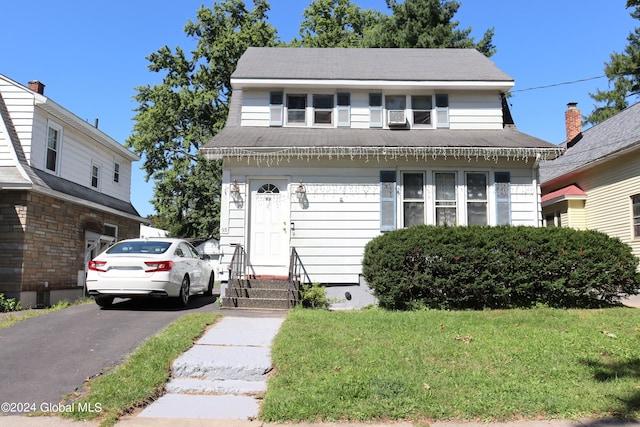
265, 294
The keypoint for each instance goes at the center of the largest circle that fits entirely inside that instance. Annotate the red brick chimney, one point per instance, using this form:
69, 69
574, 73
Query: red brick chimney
37, 86
573, 120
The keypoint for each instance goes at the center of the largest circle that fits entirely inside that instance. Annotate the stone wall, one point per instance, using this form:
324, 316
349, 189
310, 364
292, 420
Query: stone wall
42, 239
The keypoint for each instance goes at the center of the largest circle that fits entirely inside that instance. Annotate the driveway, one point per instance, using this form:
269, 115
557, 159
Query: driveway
44, 358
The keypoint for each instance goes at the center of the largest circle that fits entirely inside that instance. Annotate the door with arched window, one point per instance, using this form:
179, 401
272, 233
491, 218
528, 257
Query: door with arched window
269, 232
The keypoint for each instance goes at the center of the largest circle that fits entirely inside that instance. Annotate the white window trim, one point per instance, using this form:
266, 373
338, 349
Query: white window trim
55, 126
432, 112
98, 177
306, 110
332, 110
117, 169
486, 199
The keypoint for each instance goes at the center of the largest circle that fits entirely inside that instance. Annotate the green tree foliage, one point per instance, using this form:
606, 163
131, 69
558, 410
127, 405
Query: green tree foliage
174, 118
623, 72
334, 23
425, 24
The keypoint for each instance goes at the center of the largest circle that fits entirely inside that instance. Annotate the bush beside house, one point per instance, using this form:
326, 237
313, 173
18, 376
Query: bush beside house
498, 267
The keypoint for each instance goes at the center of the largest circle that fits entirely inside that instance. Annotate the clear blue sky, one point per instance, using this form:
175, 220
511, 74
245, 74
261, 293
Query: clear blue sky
91, 55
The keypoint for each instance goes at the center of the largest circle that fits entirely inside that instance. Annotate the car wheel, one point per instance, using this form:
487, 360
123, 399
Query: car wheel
209, 290
104, 301
183, 298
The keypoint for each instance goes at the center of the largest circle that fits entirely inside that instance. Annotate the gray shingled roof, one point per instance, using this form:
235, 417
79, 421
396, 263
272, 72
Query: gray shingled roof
368, 64
619, 133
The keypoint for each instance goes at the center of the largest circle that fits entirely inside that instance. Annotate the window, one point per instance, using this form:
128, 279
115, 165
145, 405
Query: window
387, 200
375, 110
442, 110
421, 106
268, 188
95, 176
322, 109
477, 199
54, 139
413, 198
296, 109
396, 105
445, 183
635, 201
116, 171
344, 109
503, 198
275, 109
111, 230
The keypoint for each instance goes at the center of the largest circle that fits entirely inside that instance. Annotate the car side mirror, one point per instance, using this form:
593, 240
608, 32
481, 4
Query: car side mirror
205, 257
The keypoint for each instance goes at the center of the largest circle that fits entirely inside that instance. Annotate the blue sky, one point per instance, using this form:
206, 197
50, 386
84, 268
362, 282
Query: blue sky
92, 55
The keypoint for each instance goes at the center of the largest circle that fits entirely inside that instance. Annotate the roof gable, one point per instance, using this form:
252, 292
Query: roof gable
368, 64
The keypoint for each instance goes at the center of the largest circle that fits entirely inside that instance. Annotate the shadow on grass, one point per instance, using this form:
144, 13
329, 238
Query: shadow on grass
629, 404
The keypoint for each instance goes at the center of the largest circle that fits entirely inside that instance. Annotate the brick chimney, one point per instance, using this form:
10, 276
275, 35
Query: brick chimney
37, 86
573, 120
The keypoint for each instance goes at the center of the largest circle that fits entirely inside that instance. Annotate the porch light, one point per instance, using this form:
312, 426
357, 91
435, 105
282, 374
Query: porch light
301, 191
235, 190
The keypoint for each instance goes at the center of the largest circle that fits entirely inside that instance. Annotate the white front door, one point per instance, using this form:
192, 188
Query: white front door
269, 227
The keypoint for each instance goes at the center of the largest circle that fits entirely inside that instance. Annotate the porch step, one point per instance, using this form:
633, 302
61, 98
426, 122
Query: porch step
269, 294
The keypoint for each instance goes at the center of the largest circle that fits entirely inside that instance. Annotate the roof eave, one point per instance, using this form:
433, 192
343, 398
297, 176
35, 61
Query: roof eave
256, 83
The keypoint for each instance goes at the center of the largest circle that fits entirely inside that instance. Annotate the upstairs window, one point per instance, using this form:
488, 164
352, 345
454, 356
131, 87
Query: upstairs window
296, 109
54, 139
442, 110
421, 107
95, 176
375, 110
116, 171
276, 109
322, 109
635, 201
344, 109
396, 105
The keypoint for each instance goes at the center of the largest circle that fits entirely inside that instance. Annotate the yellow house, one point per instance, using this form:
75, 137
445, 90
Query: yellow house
595, 184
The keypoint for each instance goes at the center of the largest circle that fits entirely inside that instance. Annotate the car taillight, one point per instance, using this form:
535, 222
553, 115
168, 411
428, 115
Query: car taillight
97, 265
158, 266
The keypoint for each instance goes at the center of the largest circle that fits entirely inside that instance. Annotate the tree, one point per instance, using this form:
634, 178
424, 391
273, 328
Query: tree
334, 23
176, 117
623, 72
425, 24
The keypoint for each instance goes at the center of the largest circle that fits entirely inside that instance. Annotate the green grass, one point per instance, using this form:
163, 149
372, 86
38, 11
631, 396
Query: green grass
141, 378
468, 365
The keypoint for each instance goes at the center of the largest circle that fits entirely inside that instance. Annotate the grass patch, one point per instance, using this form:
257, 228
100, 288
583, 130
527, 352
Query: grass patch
11, 318
467, 365
141, 378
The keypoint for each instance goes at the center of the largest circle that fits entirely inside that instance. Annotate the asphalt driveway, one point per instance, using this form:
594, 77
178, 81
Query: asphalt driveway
42, 359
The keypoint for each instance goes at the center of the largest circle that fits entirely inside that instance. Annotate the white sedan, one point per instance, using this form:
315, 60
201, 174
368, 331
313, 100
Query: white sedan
149, 267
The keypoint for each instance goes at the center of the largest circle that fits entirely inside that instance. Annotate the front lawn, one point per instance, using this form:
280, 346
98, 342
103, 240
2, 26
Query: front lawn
464, 365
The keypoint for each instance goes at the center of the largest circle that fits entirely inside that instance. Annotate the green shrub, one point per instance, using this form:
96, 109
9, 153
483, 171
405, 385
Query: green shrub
498, 267
314, 296
9, 304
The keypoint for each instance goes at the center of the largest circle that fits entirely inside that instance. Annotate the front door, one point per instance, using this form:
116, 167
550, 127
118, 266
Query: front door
269, 227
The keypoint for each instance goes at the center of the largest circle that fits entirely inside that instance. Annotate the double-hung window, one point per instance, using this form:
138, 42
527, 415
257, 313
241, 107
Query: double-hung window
54, 140
442, 110
375, 110
503, 198
116, 171
477, 202
323, 109
396, 105
387, 200
413, 198
445, 200
275, 109
95, 176
296, 109
421, 106
344, 109
635, 202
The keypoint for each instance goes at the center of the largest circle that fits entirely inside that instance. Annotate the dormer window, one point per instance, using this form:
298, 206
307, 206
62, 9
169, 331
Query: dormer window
322, 109
296, 109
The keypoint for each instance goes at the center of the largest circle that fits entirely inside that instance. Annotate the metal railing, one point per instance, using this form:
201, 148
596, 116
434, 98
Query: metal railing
238, 266
298, 277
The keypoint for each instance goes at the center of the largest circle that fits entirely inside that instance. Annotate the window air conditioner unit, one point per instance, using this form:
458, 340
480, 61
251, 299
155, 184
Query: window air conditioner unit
396, 117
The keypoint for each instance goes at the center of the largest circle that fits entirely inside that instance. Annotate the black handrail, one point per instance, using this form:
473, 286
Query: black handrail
238, 265
297, 276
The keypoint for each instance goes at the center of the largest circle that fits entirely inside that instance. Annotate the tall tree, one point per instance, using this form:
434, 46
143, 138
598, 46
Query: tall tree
623, 72
174, 118
425, 24
334, 23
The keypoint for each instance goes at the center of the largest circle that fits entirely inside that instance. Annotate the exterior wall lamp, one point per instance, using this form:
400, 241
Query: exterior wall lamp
301, 192
235, 190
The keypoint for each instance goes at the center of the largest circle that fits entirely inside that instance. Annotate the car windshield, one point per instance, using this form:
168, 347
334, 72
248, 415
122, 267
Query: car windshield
139, 248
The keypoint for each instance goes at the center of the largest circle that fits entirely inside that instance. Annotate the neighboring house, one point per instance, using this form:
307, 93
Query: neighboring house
64, 195
595, 184
325, 149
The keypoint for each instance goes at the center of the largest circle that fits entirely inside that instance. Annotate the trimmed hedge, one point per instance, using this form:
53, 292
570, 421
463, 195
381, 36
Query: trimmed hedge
498, 267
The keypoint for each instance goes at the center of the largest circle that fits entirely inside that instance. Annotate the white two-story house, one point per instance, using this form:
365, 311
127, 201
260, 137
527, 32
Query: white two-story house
64, 195
324, 149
